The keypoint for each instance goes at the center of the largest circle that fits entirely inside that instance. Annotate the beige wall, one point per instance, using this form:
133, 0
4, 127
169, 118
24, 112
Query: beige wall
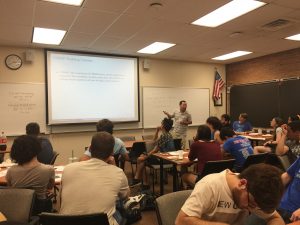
162, 73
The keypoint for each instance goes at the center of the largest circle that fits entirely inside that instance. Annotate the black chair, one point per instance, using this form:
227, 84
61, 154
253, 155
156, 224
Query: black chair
177, 143
284, 162
55, 154
59, 219
17, 205
217, 166
254, 159
137, 149
191, 141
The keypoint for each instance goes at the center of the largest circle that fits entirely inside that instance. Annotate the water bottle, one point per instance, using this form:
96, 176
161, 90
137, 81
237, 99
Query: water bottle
3, 142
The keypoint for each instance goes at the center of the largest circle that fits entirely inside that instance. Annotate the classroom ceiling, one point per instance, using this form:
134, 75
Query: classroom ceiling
125, 26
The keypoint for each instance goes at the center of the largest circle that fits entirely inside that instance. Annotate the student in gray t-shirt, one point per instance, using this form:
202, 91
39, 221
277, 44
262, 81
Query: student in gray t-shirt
182, 120
30, 173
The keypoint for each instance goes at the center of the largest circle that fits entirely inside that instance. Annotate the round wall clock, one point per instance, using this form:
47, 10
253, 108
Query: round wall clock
13, 62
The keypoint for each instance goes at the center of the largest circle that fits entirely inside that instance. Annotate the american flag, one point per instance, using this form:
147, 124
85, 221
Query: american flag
219, 83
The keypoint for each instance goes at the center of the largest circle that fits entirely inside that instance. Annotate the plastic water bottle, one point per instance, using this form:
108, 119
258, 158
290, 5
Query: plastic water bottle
3, 142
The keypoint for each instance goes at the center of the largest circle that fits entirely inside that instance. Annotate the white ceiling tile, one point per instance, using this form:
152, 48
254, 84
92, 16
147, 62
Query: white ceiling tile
20, 33
48, 15
106, 43
126, 26
17, 12
93, 22
108, 5
80, 40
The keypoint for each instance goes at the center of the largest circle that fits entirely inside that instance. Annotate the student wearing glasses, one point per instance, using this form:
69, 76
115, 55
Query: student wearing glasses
228, 198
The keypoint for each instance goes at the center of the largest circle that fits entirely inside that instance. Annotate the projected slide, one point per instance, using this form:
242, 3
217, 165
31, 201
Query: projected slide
83, 88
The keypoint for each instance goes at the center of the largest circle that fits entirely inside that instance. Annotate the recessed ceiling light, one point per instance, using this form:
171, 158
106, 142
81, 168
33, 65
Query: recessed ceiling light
295, 37
156, 47
228, 12
232, 55
48, 36
67, 2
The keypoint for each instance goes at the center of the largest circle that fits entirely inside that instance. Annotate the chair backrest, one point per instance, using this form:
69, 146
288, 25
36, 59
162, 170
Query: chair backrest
217, 166
168, 206
191, 141
16, 204
255, 159
150, 145
55, 154
177, 143
137, 149
59, 219
128, 138
148, 137
284, 161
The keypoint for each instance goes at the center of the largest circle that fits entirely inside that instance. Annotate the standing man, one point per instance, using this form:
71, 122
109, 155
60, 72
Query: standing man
182, 120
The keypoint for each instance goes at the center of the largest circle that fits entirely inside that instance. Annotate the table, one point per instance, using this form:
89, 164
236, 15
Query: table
173, 159
58, 174
256, 137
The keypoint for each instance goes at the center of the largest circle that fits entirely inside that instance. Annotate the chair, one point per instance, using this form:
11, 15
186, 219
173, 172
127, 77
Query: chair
55, 188
59, 219
128, 138
284, 161
168, 206
148, 137
217, 166
177, 143
17, 204
55, 154
191, 141
137, 149
255, 159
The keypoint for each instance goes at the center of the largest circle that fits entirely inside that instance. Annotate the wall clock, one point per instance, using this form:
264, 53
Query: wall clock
13, 62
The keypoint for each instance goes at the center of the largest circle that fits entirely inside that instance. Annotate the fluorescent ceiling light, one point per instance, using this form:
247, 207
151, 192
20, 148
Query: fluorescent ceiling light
156, 47
67, 2
48, 36
232, 55
295, 37
228, 12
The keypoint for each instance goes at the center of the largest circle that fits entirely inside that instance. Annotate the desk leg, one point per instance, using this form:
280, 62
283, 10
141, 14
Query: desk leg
174, 177
161, 176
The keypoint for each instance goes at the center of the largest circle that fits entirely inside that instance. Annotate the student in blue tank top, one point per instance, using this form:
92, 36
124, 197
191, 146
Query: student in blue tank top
237, 146
242, 125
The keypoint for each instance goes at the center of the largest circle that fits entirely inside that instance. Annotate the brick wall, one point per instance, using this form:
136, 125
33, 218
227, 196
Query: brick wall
275, 66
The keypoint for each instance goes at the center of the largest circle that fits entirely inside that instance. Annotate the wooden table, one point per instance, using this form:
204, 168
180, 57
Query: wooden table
256, 137
173, 160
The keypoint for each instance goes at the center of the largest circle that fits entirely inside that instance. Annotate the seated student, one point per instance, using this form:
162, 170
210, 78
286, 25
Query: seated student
225, 120
290, 140
204, 150
119, 147
289, 207
215, 126
270, 146
293, 118
30, 173
165, 143
242, 125
227, 198
46, 155
94, 185
237, 146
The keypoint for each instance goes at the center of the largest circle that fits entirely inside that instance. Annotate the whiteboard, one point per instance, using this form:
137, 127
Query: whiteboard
20, 104
157, 99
